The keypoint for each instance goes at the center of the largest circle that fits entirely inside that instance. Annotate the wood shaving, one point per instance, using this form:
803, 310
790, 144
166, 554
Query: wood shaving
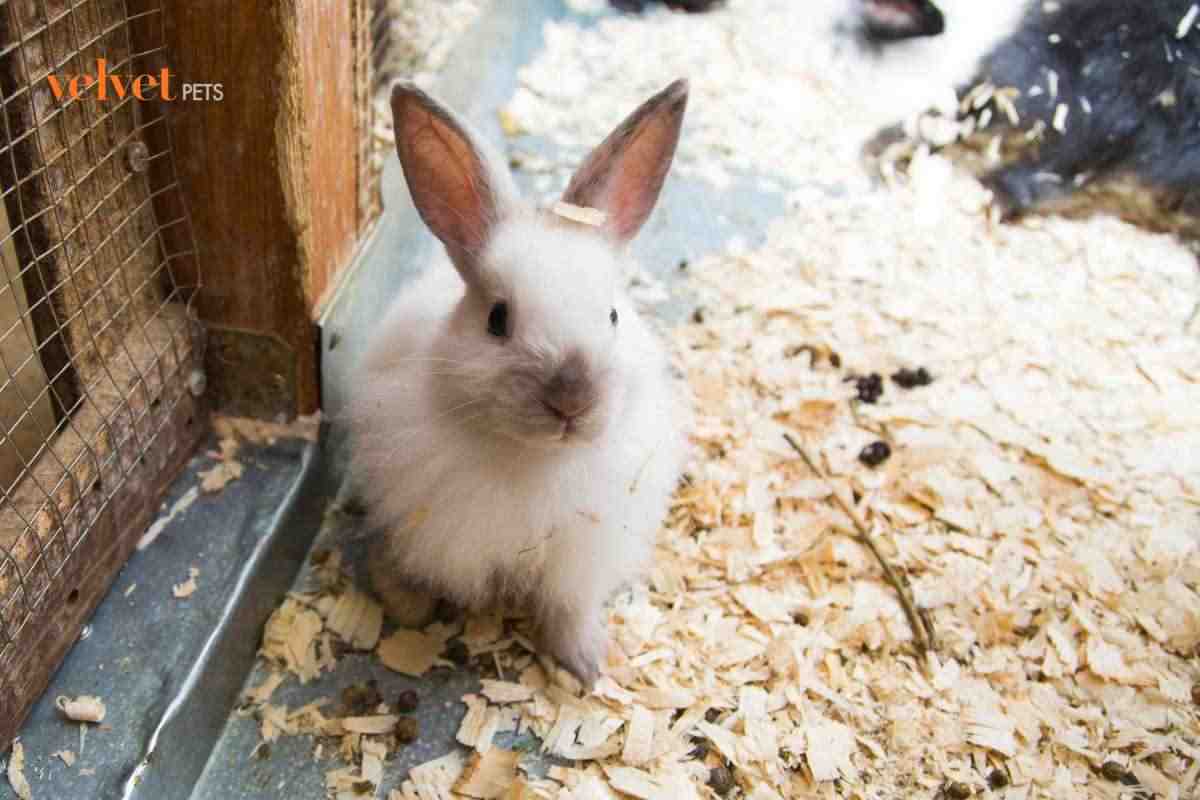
159, 524
353, 617
433, 780
634, 782
1187, 21
380, 723
188, 587
351, 783
291, 639
85, 708
412, 652
591, 217
502, 692
233, 431
639, 739
489, 775
480, 725
66, 756
16, 772
220, 475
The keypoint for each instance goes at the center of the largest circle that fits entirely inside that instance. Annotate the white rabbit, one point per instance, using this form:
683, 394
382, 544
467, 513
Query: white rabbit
516, 431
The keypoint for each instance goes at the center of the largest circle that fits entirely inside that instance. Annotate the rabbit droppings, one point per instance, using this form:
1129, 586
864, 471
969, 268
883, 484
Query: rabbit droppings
517, 431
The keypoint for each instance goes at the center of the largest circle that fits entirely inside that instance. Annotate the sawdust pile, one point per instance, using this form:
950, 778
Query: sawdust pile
1040, 496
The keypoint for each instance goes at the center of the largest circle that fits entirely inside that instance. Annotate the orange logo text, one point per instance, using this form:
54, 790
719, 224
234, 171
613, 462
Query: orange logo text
113, 86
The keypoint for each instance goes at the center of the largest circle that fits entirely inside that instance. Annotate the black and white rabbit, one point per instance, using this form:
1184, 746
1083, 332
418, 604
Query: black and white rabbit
516, 431
1089, 105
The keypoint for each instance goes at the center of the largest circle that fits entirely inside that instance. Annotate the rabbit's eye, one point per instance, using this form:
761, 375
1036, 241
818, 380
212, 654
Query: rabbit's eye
612, 317
498, 320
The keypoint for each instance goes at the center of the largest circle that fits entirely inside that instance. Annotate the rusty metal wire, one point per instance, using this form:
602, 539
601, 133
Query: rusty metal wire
97, 344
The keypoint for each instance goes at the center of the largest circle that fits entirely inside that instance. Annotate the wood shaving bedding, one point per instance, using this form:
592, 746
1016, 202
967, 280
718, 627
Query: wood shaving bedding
85, 708
16, 772
184, 590
1040, 499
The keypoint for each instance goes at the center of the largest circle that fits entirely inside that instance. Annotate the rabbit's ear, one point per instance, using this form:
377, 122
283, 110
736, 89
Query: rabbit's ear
623, 176
454, 185
893, 20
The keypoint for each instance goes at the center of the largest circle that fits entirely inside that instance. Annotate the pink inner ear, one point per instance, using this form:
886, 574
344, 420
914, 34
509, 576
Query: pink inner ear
446, 176
624, 175
898, 14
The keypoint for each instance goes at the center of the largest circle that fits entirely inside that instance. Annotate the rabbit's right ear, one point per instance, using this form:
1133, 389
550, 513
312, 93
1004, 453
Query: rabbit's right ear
453, 185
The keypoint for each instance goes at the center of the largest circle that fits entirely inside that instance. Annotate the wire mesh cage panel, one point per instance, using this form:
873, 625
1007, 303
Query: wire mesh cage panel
99, 356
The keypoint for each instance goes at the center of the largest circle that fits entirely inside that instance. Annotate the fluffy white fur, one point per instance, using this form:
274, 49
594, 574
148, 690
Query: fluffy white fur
477, 495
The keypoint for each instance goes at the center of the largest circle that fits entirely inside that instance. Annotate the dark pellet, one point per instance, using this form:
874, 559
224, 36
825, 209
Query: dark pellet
407, 702
869, 387
457, 652
958, 791
875, 454
912, 378
720, 780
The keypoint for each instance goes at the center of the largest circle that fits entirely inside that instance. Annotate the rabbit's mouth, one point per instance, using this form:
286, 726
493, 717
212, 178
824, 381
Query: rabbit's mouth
557, 433
579, 430
574, 429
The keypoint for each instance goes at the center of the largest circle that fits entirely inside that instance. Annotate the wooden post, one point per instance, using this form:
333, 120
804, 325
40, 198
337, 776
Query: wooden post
272, 176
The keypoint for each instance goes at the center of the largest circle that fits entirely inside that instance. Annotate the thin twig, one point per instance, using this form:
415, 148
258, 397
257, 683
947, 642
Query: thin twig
921, 624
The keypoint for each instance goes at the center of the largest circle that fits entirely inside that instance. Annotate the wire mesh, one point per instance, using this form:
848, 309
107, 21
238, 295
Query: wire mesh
97, 345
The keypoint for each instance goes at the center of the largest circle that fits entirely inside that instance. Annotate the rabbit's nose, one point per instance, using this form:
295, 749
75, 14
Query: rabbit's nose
570, 392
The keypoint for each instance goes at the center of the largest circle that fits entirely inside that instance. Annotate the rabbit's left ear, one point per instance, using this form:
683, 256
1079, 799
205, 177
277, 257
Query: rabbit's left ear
624, 175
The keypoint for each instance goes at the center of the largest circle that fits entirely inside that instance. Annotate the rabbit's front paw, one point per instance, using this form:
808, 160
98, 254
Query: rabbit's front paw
403, 603
408, 608
579, 643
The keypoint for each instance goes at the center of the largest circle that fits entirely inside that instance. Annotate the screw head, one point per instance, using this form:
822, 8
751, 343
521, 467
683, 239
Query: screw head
137, 157
197, 382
